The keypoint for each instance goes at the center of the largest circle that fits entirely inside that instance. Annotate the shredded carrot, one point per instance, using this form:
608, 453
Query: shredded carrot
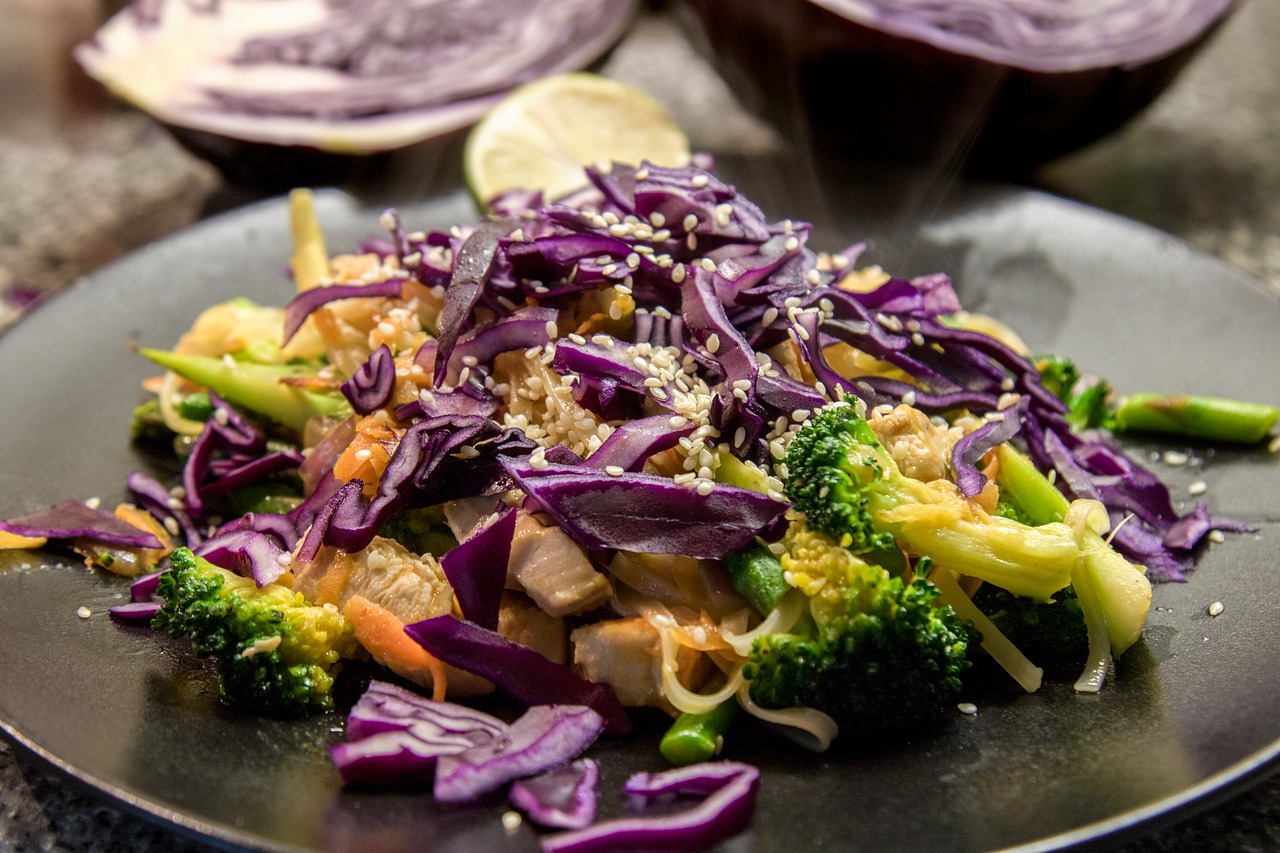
382, 634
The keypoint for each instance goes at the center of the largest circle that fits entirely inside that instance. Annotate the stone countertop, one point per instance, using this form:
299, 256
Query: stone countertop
83, 180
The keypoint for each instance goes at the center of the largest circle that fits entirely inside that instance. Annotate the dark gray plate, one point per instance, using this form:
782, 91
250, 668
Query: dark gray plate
1190, 717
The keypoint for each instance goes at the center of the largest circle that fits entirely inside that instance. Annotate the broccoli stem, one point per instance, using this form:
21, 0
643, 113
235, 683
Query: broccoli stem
310, 259
258, 387
1022, 483
758, 575
698, 737
1197, 416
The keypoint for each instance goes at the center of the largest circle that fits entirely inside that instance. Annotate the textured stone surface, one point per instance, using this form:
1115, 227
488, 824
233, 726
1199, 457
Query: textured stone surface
82, 182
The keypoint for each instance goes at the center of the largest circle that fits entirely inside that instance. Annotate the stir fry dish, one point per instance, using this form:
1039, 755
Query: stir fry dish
638, 446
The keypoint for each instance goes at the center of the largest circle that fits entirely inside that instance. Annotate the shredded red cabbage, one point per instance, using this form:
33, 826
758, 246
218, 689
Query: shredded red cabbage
373, 383
477, 569
73, 519
544, 737
520, 672
647, 512
562, 798
728, 792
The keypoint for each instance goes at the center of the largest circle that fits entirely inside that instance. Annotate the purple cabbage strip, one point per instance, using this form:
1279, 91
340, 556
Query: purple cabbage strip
526, 327
520, 672
395, 736
471, 266
544, 737
305, 303
256, 545
633, 442
477, 569
562, 798
647, 513
423, 470
729, 793
149, 494
143, 587
136, 611
970, 449
72, 519
373, 383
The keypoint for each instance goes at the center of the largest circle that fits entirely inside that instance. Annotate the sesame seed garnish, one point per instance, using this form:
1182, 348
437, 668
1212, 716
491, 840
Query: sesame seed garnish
657, 219
1175, 457
1199, 487
1216, 608
1217, 536
707, 264
700, 181
691, 241
677, 273
614, 470
171, 525
967, 708
791, 244
642, 174
387, 220
364, 454
511, 820
83, 612
705, 487
552, 331
713, 343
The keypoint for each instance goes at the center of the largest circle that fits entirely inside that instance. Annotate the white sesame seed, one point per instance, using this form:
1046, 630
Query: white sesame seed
967, 708
705, 487
1216, 608
1217, 536
552, 331
1175, 457
713, 343
691, 241
739, 436
700, 181
791, 244
387, 220
657, 220
511, 820
614, 470
83, 612
1199, 487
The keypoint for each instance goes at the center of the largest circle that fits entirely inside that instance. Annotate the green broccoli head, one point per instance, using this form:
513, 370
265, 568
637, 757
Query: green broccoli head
1088, 402
832, 464
875, 652
1053, 633
274, 652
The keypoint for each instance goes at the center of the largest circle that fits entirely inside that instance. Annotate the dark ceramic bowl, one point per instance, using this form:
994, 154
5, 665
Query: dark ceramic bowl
879, 90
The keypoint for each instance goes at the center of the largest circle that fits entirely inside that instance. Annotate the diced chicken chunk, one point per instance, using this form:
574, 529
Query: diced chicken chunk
625, 654
545, 563
920, 448
386, 573
523, 622
553, 569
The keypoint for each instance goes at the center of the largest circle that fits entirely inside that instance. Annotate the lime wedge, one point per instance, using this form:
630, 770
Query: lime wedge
541, 135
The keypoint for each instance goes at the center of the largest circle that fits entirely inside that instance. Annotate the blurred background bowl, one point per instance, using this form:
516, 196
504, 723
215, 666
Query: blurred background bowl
872, 80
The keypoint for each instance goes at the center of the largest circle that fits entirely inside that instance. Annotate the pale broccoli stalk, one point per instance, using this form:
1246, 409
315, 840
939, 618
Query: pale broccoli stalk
1114, 595
848, 487
261, 388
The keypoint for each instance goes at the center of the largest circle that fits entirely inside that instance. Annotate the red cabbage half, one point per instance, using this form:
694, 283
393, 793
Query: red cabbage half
338, 75
1001, 84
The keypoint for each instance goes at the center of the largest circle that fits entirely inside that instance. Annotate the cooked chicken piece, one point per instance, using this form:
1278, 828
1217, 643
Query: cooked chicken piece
553, 569
386, 573
627, 655
920, 448
380, 590
523, 622
545, 563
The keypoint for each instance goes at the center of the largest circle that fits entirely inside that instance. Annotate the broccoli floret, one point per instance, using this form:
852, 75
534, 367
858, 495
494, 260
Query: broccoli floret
873, 650
422, 531
1088, 402
274, 652
1052, 633
847, 486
